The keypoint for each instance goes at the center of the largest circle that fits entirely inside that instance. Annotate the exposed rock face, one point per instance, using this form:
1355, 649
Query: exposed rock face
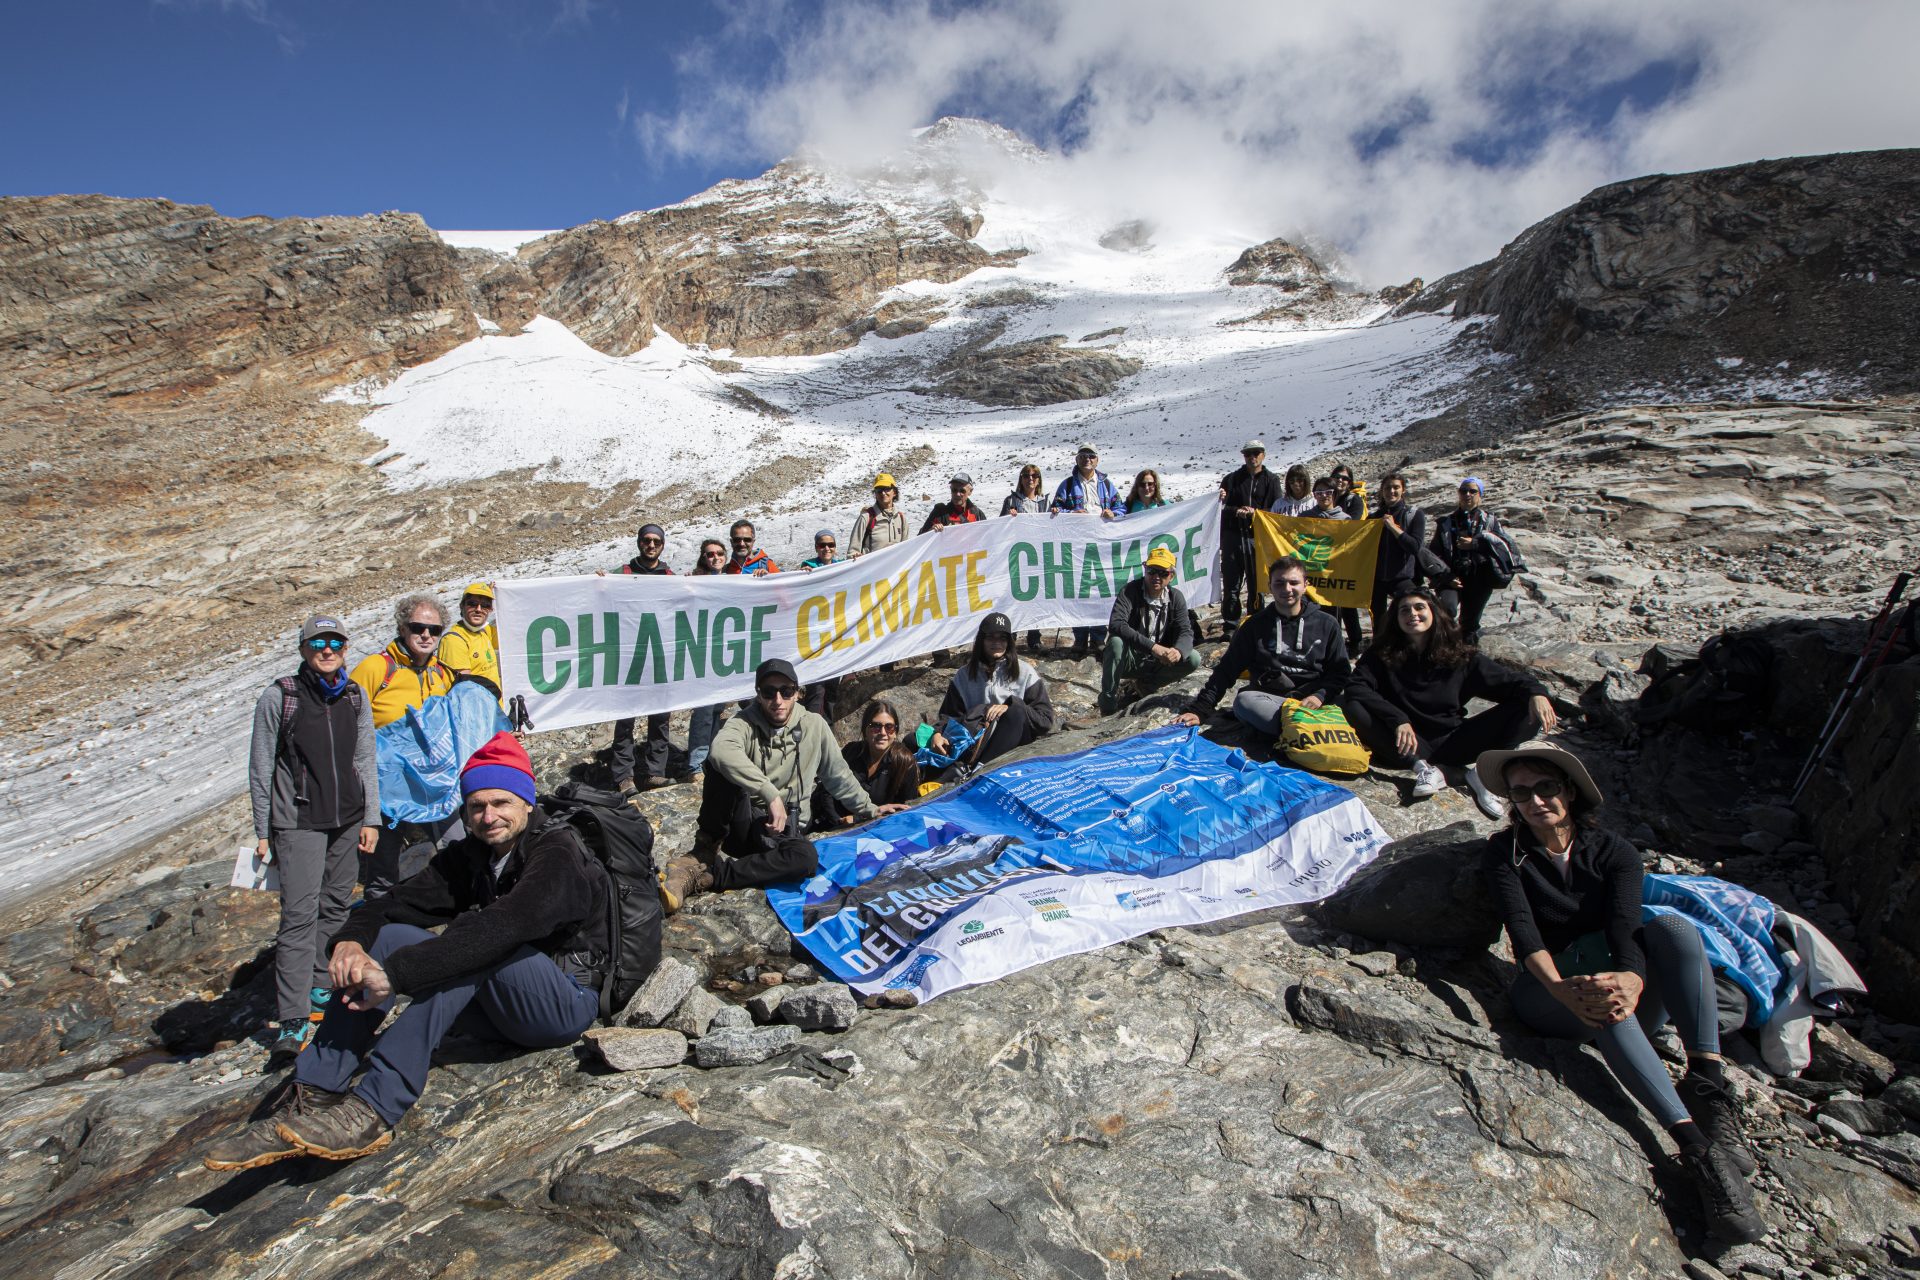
1302, 288
1043, 371
124, 297
1810, 260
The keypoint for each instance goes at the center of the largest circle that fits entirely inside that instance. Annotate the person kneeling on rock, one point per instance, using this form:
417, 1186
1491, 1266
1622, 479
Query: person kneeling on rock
758, 796
526, 940
1291, 648
1149, 634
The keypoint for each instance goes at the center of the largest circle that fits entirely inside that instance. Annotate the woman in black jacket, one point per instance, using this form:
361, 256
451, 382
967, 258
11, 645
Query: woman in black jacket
995, 693
1408, 695
1404, 555
1479, 555
1591, 969
880, 760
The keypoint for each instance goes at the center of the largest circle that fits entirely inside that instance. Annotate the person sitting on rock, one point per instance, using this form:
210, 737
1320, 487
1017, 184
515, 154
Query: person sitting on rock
1296, 493
316, 800
880, 525
1291, 648
471, 646
1479, 556
996, 695
758, 798
1408, 696
523, 912
746, 559
958, 509
1591, 969
651, 772
405, 674
1149, 633
882, 761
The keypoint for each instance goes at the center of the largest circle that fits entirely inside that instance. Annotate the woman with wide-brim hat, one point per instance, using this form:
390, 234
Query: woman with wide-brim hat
1592, 970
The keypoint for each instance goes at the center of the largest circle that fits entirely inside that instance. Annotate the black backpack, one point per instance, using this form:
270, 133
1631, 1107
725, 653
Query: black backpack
616, 834
1728, 687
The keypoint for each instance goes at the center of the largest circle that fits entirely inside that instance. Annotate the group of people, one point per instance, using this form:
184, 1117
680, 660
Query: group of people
522, 906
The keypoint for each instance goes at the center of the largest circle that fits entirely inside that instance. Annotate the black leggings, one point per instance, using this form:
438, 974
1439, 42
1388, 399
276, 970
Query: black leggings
1468, 602
1500, 727
1013, 729
759, 854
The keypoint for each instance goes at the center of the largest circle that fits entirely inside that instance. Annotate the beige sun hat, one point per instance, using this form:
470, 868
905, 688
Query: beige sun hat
1492, 767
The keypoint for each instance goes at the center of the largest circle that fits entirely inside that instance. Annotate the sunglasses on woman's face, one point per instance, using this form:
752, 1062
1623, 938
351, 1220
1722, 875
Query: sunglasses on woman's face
883, 726
332, 643
1545, 789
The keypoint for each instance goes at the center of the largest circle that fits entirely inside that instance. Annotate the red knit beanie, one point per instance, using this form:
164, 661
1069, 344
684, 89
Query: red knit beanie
502, 765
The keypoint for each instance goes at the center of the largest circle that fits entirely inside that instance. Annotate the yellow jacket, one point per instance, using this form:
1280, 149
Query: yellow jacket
475, 653
393, 683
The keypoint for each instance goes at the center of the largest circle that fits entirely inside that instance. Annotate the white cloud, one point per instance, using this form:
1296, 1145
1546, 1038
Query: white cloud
1255, 112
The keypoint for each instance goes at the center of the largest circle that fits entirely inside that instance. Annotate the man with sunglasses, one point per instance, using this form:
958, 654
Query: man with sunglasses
471, 647
959, 509
747, 560
822, 696
758, 796
651, 540
1149, 633
315, 792
405, 674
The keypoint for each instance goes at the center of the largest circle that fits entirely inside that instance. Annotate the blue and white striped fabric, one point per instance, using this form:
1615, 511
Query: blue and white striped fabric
1735, 925
421, 753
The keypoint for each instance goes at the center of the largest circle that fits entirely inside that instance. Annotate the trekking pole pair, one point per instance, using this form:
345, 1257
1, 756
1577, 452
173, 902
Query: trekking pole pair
1880, 636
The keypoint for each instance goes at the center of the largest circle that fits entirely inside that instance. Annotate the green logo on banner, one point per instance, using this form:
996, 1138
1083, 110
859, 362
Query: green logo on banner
1315, 553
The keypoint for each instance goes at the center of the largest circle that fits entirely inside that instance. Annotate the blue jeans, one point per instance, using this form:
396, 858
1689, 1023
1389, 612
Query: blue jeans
524, 1000
702, 724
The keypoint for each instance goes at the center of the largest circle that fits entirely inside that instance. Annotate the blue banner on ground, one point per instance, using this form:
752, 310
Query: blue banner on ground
1055, 855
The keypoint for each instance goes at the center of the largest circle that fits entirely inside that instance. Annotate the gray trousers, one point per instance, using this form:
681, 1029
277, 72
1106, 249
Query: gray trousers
317, 870
1260, 710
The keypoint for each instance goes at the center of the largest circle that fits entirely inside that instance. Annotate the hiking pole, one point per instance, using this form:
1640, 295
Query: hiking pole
1843, 705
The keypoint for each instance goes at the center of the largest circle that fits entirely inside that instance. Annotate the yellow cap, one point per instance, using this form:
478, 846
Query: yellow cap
477, 589
884, 481
1160, 558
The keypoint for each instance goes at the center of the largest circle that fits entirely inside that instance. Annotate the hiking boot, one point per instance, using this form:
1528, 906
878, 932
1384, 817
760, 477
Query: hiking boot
1712, 1108
1108, 706
349, 1129
260, 1142
288, 1043
627, 787
653, 782
681, 879
1490, 804
1724, 1197
1427, 780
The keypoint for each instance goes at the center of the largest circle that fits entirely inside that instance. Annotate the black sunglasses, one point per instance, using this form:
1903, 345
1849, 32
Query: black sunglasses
334, 643
1545, 789
771, 691
1156, 572
888, 725
425, 628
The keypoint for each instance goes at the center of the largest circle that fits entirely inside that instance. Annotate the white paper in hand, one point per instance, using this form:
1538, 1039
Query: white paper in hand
250, 871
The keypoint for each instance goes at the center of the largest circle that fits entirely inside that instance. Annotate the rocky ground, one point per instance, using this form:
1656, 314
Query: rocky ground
1338, 1090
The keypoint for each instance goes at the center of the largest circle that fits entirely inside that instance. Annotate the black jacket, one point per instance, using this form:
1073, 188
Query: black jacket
634, 566
1129, 619
1432, 699
883, 786
945, 513
1490, 541
1405, 556
552, 895
1259, 492
1309, 651
1543, 912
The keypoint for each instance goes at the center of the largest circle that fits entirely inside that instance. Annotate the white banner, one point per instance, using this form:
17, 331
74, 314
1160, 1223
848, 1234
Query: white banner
584, 650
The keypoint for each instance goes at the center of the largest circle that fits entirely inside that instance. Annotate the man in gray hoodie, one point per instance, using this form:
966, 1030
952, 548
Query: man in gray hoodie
316, 795
758, 795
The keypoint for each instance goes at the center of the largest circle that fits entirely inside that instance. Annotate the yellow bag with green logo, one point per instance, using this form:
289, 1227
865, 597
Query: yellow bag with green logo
1320, 739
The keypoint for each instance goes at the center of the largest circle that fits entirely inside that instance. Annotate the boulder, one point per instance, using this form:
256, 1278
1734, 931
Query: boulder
695, 1013
1837, 1056
743, 1046
661, 993
636, 1048
1423, 891
828, 1006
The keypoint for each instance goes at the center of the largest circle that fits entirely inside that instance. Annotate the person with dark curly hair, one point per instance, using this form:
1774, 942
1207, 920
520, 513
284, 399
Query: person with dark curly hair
1408, 697
1592, 969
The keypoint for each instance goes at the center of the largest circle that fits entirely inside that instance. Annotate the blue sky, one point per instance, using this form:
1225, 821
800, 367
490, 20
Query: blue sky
1415, 136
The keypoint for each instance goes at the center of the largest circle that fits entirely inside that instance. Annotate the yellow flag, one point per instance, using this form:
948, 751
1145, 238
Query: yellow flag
1340, 555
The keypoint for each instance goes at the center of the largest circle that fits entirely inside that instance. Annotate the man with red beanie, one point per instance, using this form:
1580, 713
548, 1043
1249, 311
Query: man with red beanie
526, 942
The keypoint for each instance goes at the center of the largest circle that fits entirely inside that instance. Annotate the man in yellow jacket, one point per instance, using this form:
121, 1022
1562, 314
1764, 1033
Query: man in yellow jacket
471, 647
404, 674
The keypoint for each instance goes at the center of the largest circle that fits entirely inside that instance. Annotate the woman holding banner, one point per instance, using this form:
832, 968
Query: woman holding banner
704, 722
1408, 696
1029, 498
996, 695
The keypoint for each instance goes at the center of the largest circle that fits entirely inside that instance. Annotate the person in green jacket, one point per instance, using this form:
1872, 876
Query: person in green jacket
758, 797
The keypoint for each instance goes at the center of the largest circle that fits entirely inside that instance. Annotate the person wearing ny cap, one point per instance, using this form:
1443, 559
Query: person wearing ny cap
524, 942
958, 509
881, 525
315, 792
758, 798
471, 646
405, 674
995, 694
1243, 491
652, 766
1480, 557
1595, 967
1149, 633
